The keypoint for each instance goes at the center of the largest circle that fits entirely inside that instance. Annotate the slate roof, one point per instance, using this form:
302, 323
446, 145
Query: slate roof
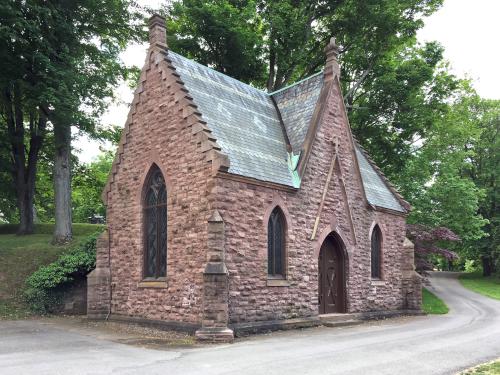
296, 104
376, 190
242, 118
246, 123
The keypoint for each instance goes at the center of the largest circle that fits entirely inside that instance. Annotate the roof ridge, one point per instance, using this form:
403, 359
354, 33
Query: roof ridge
295, 83
377, 169
244, 83
217, 72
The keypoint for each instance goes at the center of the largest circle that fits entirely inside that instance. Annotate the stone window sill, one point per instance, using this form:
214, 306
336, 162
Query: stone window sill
158, 284
377, 282
277, 282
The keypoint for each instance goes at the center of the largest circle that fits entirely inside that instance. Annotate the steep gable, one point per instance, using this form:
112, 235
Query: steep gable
264, 136
296, 103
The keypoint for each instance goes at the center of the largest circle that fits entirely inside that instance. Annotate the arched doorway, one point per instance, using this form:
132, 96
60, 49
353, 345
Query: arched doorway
331, 278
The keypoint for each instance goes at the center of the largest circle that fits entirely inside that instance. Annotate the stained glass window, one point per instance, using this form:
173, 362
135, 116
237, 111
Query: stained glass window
155, 225
276, 243
376, 252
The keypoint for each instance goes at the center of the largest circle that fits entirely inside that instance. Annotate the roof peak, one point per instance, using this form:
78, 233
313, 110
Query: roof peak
244, 83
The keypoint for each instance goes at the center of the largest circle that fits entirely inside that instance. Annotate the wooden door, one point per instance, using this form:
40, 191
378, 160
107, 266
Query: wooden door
331, 278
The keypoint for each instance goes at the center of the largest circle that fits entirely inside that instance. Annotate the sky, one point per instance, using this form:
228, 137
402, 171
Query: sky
468, 30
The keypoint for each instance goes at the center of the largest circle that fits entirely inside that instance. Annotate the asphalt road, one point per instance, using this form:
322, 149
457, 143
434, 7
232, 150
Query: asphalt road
468, 335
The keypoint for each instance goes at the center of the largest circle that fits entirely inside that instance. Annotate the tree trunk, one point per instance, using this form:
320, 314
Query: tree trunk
24, 175
62, 184
26, 196
25, 206
487, 266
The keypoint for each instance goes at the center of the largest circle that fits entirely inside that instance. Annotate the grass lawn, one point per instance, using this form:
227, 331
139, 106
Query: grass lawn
431, 304
491, 368
487, 286
20, 256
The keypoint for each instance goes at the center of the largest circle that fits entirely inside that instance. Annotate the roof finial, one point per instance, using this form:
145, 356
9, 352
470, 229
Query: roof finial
332, 67
157, 31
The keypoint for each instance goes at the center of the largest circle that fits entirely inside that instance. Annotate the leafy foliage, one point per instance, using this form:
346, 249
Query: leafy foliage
484, 171
399, 104
43, 288
442, 180
60, 63
87, 186
226, 35
288, 37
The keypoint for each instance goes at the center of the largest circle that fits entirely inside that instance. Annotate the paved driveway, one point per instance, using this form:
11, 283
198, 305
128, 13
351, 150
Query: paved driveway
468, 335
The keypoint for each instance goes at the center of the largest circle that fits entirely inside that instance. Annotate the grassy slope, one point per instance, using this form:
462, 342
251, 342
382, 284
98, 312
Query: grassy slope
20, 256
431, 304
492, 368
487, 286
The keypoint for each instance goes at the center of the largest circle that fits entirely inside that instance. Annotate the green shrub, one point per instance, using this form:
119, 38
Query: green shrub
470, 266
44, 287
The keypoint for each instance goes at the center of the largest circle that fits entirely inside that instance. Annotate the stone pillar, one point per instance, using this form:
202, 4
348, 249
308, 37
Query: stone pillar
99, 281
215, 287
332, 67
412, 281
157, 31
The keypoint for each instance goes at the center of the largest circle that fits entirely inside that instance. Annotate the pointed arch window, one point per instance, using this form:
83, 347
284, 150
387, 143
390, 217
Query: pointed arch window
155, 225
276, 259
376, 253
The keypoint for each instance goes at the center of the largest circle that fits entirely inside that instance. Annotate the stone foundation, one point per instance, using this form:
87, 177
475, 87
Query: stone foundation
74, 300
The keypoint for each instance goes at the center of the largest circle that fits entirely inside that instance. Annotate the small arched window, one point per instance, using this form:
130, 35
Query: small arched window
376, 253
155, 225
276, 244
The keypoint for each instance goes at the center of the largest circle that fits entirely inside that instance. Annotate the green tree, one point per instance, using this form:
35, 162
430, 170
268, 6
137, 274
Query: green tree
287, 37
60, 62
485, 172
23, 106
87, 185
439, 177
224, 34
400, 103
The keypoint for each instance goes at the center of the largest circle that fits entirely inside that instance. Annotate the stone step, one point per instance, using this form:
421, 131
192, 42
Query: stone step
338, 317
340, 320
343, 323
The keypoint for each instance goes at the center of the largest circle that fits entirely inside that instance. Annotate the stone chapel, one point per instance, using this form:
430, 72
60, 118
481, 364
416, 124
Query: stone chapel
231, 207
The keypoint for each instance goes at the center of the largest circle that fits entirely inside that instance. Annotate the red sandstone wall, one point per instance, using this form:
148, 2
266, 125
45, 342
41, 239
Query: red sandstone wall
244, 207
159, 133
